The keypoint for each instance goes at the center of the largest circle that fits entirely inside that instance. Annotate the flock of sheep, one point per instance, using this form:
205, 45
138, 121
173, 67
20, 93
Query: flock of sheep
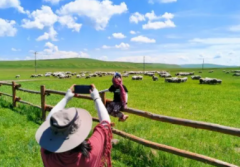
168, 77
138, 75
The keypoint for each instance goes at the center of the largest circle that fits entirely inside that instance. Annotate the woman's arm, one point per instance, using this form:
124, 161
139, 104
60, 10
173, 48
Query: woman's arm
102, 111
61, 105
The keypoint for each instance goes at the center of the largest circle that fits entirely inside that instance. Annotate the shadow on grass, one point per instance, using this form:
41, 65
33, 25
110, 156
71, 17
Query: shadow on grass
33, 114
132, 154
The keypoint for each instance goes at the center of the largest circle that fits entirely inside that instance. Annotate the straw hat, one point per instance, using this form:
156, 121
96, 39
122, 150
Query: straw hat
65, 130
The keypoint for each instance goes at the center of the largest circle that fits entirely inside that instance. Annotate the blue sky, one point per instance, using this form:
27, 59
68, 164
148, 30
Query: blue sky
164, 31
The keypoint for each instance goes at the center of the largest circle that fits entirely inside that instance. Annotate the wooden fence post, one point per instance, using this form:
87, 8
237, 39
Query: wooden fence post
14, 94
103, 97
43, 102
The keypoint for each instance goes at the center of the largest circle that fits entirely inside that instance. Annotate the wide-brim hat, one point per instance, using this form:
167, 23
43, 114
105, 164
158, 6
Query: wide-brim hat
65, 130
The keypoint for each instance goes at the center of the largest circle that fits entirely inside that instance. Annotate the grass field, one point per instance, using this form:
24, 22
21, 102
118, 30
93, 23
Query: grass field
210, 103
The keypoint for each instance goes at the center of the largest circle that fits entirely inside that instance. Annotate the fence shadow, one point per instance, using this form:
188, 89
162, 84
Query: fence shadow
33, 114
140, 155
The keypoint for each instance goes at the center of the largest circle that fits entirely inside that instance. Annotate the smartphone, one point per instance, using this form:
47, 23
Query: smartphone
82, 89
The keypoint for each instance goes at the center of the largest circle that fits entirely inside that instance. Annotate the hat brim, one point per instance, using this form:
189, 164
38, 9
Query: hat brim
58, 143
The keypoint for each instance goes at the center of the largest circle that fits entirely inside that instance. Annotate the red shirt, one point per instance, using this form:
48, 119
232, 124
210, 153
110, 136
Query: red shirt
75, 159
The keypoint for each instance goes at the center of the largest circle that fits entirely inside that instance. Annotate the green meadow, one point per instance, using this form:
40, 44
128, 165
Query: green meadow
218, 104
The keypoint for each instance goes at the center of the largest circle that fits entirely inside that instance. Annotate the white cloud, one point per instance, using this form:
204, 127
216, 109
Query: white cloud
15, 50
183, 58
7, 28
215, 41
106, 47
136, 17
161, 1
132, 32
41, 18
104, 58
99, 12
12, 4
159, 25
109, 37
235, 28
118, 35
139, 59
52, 52
122, 46
152, 16
168, 16
50, 35
54, 2
51, 47
69, 21
143, 39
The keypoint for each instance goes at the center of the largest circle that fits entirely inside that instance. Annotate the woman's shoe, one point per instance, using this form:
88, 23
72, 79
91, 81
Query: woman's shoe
124, 118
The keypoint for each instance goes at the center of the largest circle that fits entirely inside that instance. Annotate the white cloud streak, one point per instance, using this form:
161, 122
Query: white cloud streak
235, 28
51, 51
122, 46
132, 32
53, 2
143, 39
118, 35
161, 1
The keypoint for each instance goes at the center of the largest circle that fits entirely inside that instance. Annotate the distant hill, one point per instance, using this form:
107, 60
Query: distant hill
206, 66
93, 64
83, 64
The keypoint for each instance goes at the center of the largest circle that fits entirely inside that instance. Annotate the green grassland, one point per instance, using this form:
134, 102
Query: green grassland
210, 103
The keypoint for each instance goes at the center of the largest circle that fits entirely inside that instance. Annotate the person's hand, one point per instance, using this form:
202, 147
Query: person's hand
70, 91
94, 92
72, 88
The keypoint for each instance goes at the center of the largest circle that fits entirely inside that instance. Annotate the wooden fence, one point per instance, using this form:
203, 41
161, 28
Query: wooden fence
184, 122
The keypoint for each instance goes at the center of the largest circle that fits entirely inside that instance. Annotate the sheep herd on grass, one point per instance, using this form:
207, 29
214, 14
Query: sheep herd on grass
138, 75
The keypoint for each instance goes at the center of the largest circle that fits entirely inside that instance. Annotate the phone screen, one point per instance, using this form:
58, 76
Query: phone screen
82, 89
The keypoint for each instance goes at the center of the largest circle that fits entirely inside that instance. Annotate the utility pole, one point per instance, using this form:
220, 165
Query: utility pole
203, 64
35, 61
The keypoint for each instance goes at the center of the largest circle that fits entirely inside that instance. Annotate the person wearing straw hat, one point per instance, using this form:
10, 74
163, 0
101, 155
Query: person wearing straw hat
63, 136
120, 98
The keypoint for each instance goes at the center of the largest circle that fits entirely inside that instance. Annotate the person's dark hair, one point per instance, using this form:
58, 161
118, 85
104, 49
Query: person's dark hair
83, 148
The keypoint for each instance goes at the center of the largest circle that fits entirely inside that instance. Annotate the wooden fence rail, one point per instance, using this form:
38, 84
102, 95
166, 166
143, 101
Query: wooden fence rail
176, 151
5, 94
195, 124
162, 118
28, 91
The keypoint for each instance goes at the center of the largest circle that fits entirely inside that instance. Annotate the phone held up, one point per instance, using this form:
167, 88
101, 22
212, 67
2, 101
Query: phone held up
82, 89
